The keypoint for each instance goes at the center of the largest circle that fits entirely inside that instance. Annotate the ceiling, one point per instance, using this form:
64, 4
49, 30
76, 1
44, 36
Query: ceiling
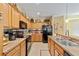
35, 10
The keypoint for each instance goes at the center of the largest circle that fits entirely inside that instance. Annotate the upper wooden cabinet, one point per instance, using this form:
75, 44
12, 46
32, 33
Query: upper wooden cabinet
1, 29
5, 15
10, 17
15, 18
22, 18
36, 25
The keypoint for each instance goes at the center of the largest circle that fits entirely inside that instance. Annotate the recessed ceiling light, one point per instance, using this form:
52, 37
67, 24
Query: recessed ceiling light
66, 21
38, 13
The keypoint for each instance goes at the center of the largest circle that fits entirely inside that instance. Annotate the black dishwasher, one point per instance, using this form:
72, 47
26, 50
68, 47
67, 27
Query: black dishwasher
28, 44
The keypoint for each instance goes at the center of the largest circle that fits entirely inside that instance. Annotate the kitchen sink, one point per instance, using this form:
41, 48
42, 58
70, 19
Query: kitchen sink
67, 42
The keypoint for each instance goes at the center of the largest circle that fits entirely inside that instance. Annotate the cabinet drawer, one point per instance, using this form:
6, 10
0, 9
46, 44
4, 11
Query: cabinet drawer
13, 51
60, 49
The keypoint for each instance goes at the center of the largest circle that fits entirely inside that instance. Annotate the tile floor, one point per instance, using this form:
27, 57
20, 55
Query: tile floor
39, 49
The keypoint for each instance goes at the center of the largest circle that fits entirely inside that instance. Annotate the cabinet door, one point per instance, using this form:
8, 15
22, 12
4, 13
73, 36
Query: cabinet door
14, 52
17, 53
6, 15
56, 53
15, 18
23, 18
52, 47
60, 49
49, 43
1, 29
36, 37
10, 17
23, 48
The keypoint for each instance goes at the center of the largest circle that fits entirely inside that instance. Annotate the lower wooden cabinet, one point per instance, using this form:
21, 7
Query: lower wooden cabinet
54, 48
23, 48
19, 50
17, 53
59, 49
56, 53
36, 37
14, 52
49, 43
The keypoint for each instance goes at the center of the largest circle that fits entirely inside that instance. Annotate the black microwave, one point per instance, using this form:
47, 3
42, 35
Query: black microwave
22, 25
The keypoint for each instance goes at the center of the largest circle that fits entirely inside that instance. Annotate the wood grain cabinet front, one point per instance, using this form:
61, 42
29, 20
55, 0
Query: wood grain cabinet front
23, 48
22, 18
14, 52
1, 29
54, 48
5, 15
19, 50
15, 18
49, 44
59, 49
36, 37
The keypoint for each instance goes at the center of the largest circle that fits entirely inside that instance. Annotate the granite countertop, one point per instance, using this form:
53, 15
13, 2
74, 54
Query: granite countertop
72, 50
12, 44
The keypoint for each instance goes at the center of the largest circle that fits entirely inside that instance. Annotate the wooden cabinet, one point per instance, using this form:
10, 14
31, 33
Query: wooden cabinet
5, 15
49, 44
36, 25
14, 52
19, 50
23, 48
10, 16
17, 53
59, 49
6, 10
29, 25
56, 53
36, 37
1, 29
15, 18
22, 18
54, 48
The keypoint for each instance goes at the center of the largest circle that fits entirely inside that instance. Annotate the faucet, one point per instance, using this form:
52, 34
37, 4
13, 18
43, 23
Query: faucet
67, 32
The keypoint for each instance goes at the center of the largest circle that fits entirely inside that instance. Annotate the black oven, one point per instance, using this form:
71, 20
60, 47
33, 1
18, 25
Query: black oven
19, 34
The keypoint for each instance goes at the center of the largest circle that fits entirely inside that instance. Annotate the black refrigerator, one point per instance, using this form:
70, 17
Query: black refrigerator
46, 30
